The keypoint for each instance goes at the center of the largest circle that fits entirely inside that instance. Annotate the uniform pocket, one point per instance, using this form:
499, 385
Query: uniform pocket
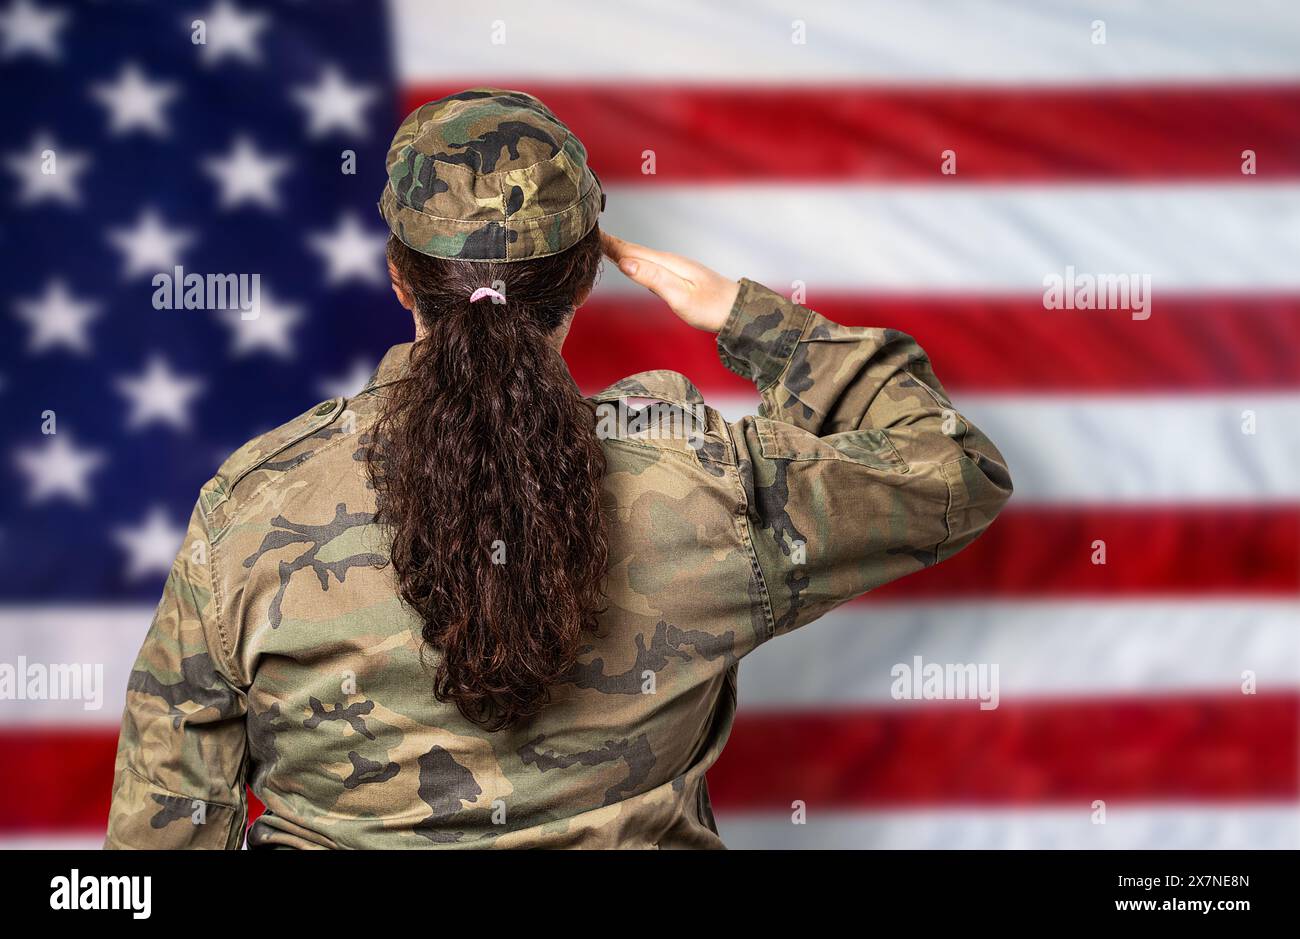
866, 447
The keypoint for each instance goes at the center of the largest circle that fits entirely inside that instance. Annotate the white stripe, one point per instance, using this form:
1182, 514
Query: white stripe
996, 238
1126, 827
1131, 449
1041, 649
922, 41
1183, 827
1144, 449
105, 638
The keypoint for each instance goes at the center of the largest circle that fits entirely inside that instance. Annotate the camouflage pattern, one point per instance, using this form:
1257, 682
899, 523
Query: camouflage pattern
281, 656
488, 175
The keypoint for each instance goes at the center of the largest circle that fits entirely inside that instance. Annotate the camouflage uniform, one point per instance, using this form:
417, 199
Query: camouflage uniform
281, 658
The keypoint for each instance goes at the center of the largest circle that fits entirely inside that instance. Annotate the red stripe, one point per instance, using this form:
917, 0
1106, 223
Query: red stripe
703, 134
1001, 344
1184, 550
55, 779
1200, 748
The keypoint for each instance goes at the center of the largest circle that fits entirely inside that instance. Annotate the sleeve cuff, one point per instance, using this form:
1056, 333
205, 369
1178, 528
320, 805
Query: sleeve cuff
145, 815
760, 333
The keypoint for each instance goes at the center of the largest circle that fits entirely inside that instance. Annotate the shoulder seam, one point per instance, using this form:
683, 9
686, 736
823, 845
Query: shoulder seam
226, 644
227, 637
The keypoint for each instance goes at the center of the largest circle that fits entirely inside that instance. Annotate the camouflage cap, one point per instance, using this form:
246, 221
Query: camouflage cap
488, 175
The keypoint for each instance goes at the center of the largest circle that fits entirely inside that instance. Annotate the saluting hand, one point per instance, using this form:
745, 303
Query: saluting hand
699, 296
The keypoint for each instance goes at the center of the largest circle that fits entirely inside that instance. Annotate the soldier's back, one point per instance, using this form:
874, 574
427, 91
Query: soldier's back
348, 745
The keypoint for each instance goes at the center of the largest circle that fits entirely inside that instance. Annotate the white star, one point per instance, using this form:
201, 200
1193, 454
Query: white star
28, 28
159, 394
58, 468
150, 247
46, 173
333, 104
57, 318
151, 546
246, 175
233, 33
348, 384
267, 327
351, 252
135, 103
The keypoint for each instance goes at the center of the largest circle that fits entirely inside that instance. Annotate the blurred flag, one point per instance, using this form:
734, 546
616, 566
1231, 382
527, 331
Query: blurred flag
925, 166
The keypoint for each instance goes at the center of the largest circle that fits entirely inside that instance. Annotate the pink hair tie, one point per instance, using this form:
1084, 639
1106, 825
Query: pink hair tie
482, 292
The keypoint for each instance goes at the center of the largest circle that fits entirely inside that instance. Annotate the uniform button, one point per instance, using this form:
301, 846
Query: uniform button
325, 408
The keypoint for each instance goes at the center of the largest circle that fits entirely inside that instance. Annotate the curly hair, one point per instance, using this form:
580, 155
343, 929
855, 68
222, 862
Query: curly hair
487, 473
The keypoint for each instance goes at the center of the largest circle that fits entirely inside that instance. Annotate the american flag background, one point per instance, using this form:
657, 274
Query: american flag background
921, 165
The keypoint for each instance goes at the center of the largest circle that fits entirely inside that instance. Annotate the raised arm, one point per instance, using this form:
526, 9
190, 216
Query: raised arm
860, 470
857, 469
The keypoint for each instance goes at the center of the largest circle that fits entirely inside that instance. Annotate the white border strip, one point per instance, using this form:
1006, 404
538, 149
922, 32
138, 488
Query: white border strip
1200, 827
1235, 827
53, 842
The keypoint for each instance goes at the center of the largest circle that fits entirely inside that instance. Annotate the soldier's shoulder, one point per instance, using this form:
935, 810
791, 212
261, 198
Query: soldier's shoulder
663, 409
660, 385
274, 454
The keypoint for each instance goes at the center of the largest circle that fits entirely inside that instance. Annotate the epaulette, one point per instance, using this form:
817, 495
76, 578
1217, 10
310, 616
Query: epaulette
263, 449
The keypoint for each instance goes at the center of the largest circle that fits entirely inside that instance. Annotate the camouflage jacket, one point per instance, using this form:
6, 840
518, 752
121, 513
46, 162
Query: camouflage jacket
281, 658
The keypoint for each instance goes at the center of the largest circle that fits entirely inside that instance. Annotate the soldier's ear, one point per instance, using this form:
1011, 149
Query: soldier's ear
399, 288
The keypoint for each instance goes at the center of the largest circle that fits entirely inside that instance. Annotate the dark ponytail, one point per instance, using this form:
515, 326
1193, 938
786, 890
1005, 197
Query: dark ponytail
487, 472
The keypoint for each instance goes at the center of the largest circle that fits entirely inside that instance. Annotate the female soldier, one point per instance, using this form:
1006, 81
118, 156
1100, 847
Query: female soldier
458, 609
